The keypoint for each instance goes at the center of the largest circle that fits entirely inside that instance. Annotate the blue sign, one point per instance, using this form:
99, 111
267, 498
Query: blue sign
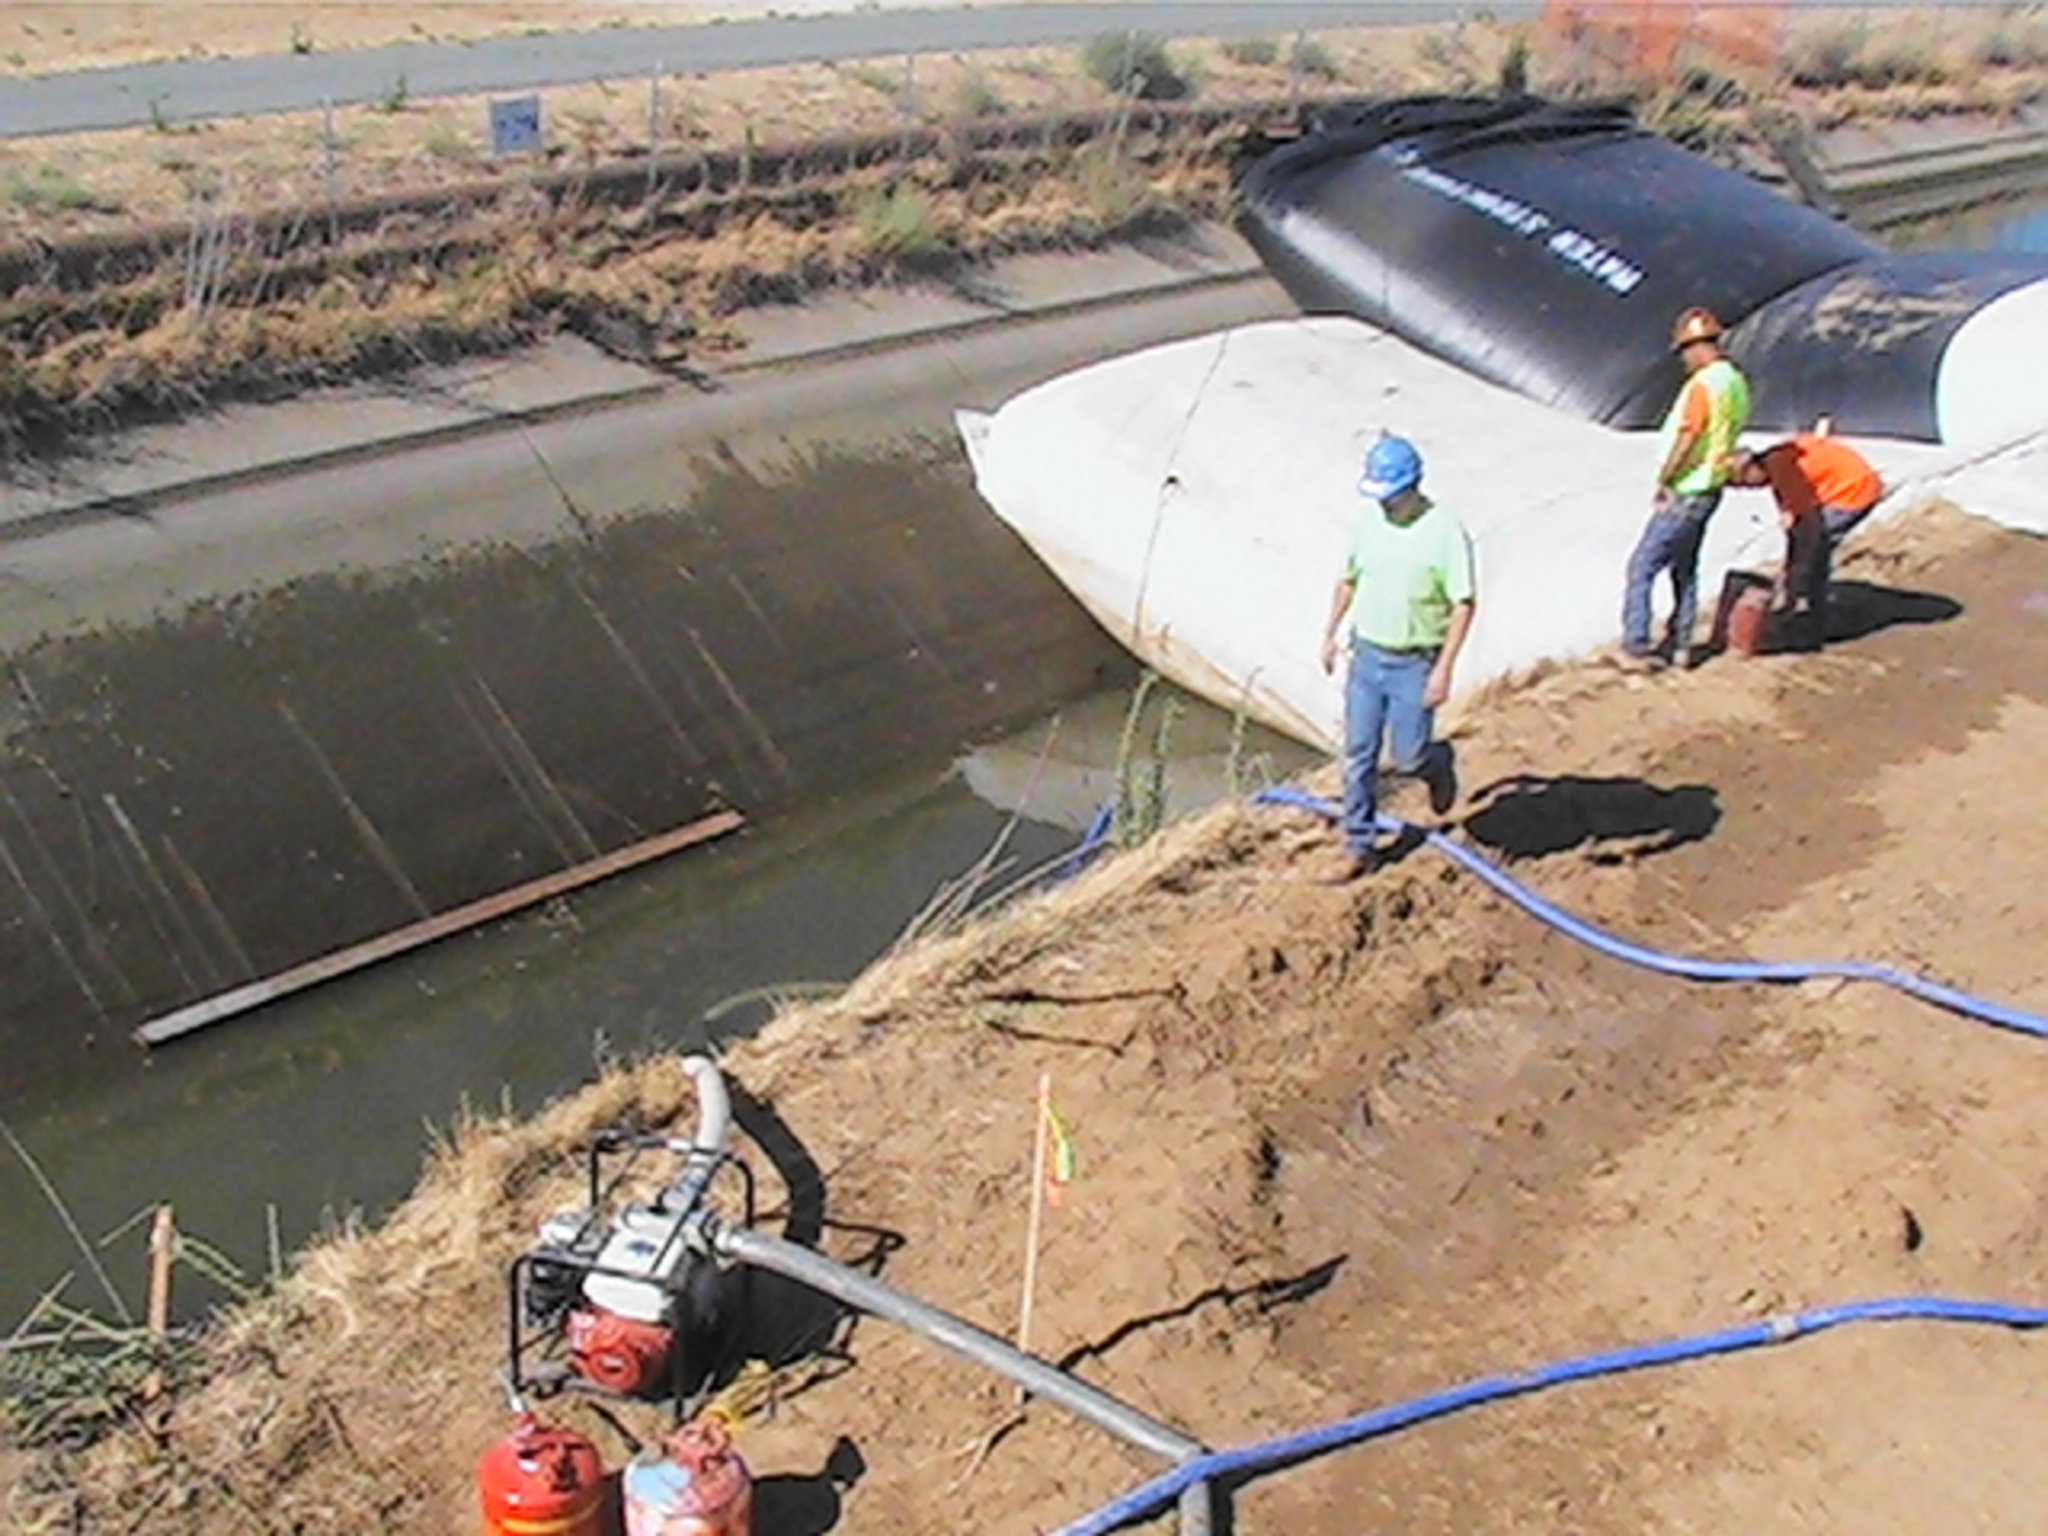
515, 125
2022, 232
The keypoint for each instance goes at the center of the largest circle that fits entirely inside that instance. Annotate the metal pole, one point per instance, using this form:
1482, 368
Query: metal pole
653, 127
1042, 1379
327, 146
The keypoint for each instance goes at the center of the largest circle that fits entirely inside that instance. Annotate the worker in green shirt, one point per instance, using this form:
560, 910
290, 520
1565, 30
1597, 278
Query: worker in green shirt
1403, 606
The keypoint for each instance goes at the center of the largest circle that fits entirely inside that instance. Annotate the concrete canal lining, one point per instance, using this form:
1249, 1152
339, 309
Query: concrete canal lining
248, 728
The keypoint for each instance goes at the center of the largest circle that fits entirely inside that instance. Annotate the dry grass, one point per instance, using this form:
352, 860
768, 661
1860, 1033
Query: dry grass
1845, 67
154, 175
244, 306
235, 301
1841, 63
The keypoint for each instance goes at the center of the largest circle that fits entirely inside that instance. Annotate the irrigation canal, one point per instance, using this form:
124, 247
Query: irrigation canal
323, 1104
260, 725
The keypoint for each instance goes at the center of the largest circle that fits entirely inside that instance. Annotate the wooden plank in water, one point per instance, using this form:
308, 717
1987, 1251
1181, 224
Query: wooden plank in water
254, 994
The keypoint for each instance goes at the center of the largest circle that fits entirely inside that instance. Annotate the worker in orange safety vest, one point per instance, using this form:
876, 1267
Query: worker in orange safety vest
1823, 488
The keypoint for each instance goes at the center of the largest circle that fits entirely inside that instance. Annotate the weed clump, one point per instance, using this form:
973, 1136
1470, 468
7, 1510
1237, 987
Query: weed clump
1136, 65
2013, 41
1311, 60
47, 189
977, 98
898, 222
1853, 55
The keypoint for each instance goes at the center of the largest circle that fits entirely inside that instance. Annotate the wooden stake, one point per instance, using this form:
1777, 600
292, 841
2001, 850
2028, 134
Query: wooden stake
163, 1242
1037, 1219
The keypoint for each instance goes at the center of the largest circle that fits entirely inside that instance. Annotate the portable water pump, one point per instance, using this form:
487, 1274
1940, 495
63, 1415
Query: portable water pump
612, 1299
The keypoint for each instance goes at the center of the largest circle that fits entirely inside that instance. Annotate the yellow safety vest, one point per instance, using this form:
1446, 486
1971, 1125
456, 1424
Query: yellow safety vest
1706, 467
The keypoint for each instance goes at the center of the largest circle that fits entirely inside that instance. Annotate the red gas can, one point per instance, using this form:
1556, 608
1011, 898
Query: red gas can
1742, 619
1749, 618
541, 1481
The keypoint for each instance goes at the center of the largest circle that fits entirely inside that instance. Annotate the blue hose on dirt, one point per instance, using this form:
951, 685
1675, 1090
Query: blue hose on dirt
1681, 965
1226, 1466
1094, 839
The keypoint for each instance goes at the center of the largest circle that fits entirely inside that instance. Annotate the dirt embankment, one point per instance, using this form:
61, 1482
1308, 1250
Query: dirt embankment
1343, 1145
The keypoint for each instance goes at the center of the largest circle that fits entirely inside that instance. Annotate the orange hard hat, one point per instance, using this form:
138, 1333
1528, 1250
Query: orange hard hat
1695, 325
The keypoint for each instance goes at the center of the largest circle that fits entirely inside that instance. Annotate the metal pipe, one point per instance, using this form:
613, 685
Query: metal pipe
1036, 1376
714, 1129
809, 1267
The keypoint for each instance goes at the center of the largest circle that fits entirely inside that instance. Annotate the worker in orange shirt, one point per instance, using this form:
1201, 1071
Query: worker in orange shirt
1823, 488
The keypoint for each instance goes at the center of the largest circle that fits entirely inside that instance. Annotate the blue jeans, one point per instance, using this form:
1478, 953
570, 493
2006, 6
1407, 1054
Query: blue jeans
1670, 542
1382, 697
1839, 520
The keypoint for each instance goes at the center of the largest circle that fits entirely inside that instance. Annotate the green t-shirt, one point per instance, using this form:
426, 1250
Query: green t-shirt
1408, 577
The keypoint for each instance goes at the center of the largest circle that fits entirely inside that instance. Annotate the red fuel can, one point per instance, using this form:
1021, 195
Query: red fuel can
1742, 618
1749, 618
541, 1481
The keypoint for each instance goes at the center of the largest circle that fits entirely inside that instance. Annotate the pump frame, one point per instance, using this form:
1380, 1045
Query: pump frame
525, 1340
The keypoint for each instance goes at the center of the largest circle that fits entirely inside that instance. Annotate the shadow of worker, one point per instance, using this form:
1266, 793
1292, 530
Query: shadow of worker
1624, 819
1859, 608
789, 1505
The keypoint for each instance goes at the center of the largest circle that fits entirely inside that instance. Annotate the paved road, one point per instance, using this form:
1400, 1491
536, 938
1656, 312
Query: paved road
189, 89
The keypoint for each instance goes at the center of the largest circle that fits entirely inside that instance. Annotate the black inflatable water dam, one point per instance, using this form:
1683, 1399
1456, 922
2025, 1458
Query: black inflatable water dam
254, 731
1548, 248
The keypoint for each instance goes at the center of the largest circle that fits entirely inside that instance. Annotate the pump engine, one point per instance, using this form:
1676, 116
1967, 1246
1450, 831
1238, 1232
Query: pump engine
612, 1298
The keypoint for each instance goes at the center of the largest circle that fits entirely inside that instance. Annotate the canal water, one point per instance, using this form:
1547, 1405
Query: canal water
320, 1107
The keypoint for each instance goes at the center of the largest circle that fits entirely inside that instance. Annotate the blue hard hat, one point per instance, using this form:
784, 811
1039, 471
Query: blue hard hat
1391, 466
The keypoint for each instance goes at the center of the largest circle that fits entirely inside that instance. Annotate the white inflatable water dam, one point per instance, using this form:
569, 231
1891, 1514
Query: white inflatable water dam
1197, 498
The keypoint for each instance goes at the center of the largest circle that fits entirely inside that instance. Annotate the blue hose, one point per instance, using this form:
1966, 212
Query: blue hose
1219, 1466
1094, 838
1680, 965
